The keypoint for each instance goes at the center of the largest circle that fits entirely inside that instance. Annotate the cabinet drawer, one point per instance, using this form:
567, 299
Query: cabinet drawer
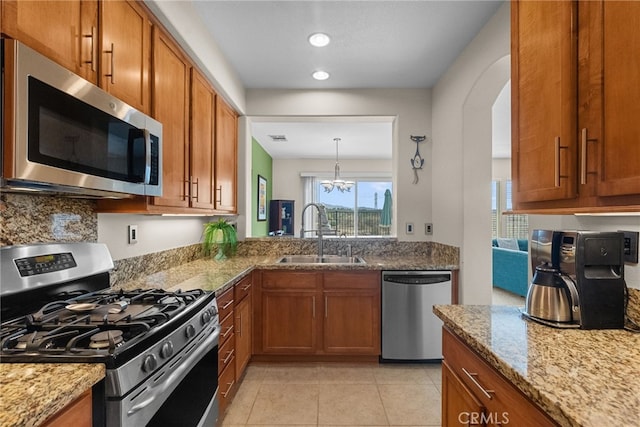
242, 289
226, 328
225, 303
226, 385
494, 392
290, 280
226, 353
351, 280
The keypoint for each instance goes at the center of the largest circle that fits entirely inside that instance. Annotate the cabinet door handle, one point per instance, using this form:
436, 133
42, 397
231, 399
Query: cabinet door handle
195, 183
326, 304
556, 163
313, 306
185, 185
584, 141
92, 53
224, 394
558, 147
239, 323
219, 191
246, 288
583, 157
227, 305
229, 356
111, 71
482, 389
229, 329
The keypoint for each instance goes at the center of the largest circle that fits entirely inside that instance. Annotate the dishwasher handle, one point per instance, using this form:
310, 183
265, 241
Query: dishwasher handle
416, 279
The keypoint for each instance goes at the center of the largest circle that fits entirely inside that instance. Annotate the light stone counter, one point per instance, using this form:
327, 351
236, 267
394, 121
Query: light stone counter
212, 275
30, 393
579, 377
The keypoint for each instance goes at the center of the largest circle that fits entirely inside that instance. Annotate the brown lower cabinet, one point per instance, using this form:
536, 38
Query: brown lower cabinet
226, 350
77, 413
243, 324
311, 313
475, 394
234, 345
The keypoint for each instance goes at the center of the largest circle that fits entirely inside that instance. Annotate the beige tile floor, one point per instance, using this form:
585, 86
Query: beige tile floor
335, 394
342, 394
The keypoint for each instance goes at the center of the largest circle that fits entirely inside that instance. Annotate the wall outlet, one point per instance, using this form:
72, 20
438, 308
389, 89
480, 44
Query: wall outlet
409, 228
133, 234
428, 228
630, 246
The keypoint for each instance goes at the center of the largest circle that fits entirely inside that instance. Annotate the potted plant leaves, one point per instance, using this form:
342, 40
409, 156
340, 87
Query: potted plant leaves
221, 235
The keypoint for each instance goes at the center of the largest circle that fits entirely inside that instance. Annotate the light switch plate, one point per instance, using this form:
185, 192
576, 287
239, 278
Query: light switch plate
428, 228
630, 246
133, 234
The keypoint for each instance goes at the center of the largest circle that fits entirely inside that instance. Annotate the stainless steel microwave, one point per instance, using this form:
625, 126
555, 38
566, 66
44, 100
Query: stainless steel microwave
62, 134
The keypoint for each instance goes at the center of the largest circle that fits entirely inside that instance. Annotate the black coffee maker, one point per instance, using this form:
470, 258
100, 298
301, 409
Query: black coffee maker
590, 265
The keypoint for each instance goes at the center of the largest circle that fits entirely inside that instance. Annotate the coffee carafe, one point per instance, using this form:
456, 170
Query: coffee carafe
553, 297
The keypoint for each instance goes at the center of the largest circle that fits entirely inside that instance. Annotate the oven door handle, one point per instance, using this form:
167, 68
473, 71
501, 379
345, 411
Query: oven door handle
176, 376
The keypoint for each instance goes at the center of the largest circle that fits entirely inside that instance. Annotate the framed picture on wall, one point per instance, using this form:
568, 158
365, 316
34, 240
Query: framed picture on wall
262, 198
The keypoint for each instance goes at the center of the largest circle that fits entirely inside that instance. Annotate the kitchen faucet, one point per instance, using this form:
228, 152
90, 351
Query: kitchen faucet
322, 219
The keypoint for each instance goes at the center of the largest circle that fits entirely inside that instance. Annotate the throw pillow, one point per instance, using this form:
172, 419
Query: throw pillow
508, 244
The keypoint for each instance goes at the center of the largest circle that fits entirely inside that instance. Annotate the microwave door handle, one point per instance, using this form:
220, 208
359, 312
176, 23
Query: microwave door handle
147, 160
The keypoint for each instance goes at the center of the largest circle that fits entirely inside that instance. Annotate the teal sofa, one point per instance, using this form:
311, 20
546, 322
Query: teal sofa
511, 267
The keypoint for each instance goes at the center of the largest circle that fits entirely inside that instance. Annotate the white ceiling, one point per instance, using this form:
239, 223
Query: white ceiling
359, 137
374, 44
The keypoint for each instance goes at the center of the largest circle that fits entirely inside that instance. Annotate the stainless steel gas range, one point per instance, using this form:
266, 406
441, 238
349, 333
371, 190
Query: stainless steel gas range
160, 348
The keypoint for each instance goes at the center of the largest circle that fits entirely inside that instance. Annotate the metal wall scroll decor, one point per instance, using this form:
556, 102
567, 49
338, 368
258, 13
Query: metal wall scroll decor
417, 161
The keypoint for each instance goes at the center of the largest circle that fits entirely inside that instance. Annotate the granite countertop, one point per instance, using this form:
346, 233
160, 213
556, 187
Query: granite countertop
31, 393
212, 275
579, 377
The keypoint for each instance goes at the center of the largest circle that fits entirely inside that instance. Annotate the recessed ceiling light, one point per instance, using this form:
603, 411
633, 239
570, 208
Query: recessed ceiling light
319, 39
320, 75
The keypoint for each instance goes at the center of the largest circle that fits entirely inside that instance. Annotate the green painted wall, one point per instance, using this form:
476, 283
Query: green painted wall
261, 164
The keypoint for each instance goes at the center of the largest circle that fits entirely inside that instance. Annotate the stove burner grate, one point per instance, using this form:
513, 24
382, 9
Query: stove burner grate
106, 339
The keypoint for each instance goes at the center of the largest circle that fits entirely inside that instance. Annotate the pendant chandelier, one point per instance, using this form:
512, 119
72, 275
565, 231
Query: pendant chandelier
337, 182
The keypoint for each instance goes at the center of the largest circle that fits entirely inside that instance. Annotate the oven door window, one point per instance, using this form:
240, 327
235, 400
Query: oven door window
67, 133
190, 400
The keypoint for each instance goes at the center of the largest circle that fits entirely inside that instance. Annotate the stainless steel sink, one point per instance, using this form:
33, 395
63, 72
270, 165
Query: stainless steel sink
326, 259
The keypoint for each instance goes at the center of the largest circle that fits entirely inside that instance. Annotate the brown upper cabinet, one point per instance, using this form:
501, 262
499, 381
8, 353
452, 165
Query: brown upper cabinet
226, 158
125, 52
112, 51
203, 122
64, 31
184, 102
170, 89
575, 104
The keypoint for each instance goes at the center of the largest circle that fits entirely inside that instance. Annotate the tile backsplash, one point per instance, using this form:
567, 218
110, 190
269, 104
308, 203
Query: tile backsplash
26, 219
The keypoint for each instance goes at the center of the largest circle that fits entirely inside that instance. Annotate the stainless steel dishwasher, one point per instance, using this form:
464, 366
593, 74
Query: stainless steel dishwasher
410, 330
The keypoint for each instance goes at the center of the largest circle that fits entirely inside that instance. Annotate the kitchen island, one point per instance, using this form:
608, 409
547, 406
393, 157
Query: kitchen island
577, 377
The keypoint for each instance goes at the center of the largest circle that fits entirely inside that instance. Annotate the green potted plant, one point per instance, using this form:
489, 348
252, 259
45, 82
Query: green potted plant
222, 235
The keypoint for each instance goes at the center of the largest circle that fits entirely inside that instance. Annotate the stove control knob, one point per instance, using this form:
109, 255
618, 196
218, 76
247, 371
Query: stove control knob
166, 350
150, 363
190, 331
206, 317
